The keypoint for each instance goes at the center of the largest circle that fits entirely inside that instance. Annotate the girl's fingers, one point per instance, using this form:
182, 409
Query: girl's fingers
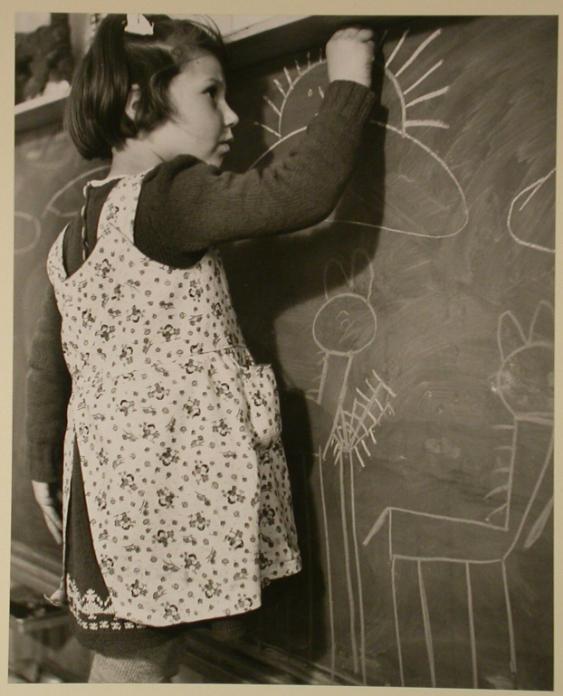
58, 596
57, 536
361, 33
54, 523
51, 515
54, 516
364, 34
41, 492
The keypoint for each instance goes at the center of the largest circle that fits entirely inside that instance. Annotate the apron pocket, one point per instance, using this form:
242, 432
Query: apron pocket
261, 393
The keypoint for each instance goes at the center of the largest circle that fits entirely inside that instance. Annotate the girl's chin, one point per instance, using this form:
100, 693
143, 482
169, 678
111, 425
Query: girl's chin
220, 153
215, 160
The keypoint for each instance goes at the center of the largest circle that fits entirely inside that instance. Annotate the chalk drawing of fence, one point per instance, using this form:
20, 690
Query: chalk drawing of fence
526, 390
540, 195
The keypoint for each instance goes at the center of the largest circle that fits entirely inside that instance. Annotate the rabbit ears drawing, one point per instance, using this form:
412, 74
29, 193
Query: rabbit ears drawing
511, 336
356, 280
525, 379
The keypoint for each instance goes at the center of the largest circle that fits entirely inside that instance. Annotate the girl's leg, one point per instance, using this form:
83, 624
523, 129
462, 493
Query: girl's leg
156, 665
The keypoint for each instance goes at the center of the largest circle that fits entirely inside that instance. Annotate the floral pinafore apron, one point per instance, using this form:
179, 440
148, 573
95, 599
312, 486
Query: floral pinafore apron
178, 431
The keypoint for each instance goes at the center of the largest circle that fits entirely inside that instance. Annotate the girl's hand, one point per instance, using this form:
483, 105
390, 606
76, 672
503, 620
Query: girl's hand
50, 509
349, 55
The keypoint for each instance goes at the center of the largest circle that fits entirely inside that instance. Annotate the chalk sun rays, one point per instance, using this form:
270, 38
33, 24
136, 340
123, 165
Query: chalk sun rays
408, 102
286, 87
397, 68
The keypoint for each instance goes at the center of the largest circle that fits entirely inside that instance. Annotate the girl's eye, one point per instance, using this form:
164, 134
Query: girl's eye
212, 91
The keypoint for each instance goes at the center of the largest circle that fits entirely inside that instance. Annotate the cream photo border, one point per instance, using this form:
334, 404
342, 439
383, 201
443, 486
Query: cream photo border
249, 8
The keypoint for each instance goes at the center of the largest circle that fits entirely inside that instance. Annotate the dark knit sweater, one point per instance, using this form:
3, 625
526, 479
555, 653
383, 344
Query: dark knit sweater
186, 206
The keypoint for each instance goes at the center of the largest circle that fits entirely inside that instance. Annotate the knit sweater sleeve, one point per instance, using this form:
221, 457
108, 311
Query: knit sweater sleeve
186, 205
48, 387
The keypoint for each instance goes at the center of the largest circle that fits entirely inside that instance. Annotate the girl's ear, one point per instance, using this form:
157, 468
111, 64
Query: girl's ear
132, 101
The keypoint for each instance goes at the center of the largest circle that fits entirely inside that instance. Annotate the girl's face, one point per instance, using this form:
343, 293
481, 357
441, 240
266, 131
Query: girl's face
202, 120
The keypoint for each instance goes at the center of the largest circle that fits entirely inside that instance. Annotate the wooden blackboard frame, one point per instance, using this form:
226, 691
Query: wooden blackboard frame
267, 39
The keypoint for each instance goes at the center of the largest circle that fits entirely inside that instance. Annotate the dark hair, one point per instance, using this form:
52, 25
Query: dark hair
95, 113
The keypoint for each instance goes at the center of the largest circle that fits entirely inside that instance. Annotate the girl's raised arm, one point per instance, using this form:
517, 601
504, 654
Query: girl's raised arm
187, 206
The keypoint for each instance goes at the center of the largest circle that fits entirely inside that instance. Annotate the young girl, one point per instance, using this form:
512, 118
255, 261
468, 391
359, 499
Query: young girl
176, 500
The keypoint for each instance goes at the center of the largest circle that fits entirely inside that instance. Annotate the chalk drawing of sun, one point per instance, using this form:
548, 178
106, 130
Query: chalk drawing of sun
417, 194
307, 82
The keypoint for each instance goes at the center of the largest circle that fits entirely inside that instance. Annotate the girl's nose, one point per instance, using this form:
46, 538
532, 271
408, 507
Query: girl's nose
230, 117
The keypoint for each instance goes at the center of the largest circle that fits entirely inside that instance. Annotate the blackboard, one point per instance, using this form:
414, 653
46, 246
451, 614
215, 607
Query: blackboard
413, 332
412, 338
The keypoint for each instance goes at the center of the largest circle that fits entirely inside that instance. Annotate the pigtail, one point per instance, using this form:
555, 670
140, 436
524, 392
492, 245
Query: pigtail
109, 65
99, 92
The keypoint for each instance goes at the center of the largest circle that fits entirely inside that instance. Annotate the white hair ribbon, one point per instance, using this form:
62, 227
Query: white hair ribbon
138, 24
